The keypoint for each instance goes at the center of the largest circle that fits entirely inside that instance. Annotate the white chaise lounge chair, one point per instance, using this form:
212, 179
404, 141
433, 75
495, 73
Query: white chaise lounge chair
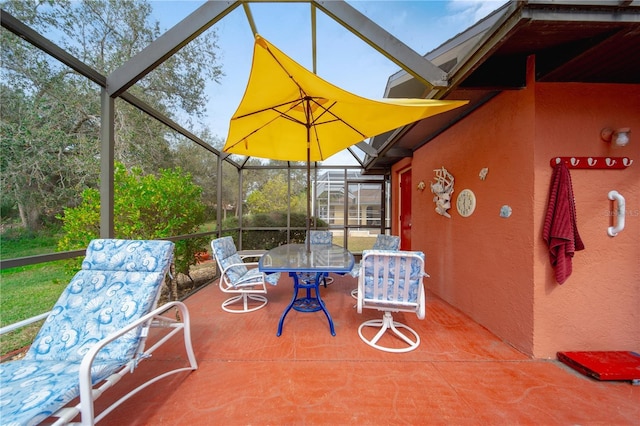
94, 335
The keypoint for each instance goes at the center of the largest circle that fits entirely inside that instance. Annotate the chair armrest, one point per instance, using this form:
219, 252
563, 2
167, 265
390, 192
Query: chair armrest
245, 264
251, 253
422, 304
241, 282
23, 323
86, 387
360, 297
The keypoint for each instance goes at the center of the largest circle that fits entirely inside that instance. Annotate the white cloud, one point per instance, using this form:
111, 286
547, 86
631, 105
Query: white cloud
471, 11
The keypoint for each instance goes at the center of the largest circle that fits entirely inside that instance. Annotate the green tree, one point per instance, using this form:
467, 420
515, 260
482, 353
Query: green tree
145, 207
272, 197
50, 126
44, 164
202, 165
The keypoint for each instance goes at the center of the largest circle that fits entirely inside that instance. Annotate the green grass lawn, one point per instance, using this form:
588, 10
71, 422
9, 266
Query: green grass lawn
357, 244
13, 245
28, 290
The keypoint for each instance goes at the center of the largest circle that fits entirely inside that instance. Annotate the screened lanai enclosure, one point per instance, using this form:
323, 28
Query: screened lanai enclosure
100, 106
111, 128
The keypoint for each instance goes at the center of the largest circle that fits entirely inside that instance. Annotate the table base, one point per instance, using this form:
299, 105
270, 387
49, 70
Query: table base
308, 303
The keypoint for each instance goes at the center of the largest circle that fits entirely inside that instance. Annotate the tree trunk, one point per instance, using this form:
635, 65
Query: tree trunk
30, 218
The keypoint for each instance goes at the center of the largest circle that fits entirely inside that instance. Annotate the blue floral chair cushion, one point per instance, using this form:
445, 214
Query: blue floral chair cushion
320, 237
119, 282
128, 255
224, 250
383, 242
316, 237
393, 278
255, 276
34, 390
386, 242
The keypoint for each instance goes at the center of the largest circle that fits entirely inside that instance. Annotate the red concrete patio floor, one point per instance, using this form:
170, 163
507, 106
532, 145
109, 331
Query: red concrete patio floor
460, 375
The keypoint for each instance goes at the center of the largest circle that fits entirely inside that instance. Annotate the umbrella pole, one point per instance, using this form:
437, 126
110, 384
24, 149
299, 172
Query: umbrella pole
307, 239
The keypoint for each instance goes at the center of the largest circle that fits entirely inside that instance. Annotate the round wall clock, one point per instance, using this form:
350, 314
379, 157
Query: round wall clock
466, 202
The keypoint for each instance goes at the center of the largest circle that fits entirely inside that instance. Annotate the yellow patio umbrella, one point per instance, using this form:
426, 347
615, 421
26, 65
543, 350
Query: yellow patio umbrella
288, 113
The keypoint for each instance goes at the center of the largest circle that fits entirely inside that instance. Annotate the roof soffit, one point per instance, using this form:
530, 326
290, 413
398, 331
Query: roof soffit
588, 41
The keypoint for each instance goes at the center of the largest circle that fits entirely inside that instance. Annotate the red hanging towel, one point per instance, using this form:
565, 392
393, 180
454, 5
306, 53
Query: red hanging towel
560, 230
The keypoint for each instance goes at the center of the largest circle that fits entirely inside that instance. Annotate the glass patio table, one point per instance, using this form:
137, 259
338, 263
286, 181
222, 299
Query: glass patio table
319, 261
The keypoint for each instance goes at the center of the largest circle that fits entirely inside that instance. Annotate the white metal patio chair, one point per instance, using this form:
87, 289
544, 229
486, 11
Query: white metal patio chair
240, 278
94, 335
391, 282
383, 242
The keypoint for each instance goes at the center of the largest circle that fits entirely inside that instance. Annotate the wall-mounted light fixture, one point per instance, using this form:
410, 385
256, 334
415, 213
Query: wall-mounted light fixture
421, 185
619, 137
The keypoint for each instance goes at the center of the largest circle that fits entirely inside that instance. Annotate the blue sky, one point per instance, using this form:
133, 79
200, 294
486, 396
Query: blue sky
342, 58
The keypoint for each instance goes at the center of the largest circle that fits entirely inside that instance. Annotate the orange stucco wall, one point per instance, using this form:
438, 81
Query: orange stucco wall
598, 308
497, 270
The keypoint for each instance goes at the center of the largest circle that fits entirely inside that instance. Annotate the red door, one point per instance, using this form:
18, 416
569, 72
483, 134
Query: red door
405, 210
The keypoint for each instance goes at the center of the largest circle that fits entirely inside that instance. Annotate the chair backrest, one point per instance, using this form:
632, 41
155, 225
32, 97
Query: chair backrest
224, 250
387, 242
392, 276
320, 237
119, 282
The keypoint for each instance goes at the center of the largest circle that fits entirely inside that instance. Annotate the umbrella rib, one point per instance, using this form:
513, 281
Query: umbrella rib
305, 100
302, 92
293, 104
304, 96
315, 124
336, 118
310, 98
284, 114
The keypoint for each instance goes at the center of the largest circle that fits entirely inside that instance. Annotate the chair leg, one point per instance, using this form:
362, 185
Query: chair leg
230, 305
326, 280
387, 323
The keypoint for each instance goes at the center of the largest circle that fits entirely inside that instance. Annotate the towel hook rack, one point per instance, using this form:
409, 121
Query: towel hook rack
613, 163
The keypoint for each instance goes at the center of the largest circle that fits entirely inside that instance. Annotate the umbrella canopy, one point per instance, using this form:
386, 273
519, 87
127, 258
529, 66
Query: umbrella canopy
288, 113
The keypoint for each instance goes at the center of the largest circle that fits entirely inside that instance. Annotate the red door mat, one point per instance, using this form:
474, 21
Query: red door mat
605, 365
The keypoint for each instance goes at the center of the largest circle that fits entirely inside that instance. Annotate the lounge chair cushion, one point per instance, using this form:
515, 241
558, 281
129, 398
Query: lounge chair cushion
95, 304
128, 255
56, 383
119, 282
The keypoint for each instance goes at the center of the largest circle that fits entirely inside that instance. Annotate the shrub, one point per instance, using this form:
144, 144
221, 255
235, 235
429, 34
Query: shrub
145, 207
268, 239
